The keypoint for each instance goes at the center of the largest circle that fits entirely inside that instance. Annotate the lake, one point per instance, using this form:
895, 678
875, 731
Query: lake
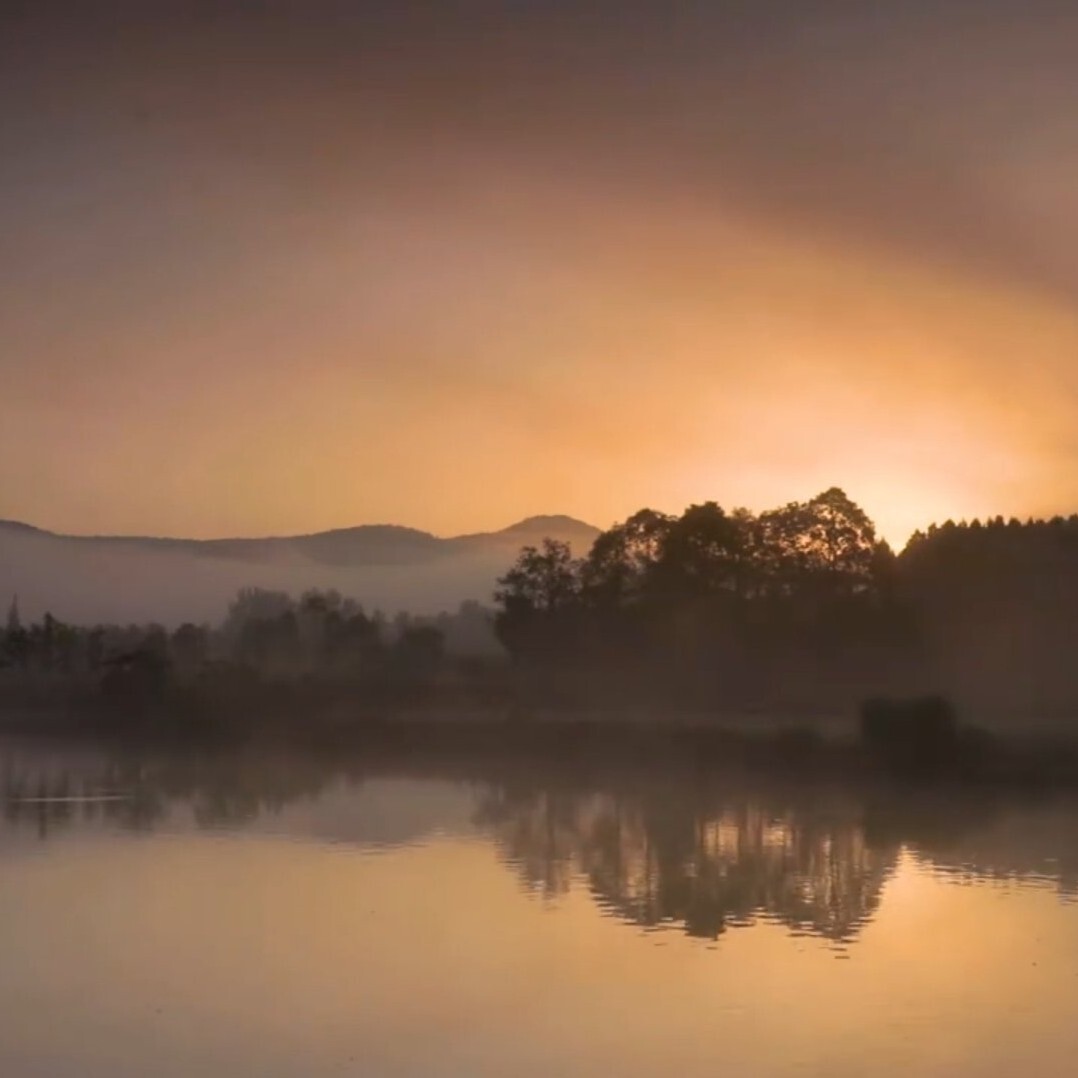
273, 914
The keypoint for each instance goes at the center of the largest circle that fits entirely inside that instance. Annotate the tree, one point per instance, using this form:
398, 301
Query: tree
417, 655
270, 642
353, 643
18, 647
189, 646
544, 579
255, 604
537, 599
841, 536
827, 545
622, 560
707, 551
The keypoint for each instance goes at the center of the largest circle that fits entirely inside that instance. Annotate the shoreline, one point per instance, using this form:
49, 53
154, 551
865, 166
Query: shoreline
824, 747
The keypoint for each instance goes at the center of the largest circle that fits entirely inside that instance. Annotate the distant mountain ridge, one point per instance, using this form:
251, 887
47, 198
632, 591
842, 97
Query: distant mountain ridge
362, 544
121, 578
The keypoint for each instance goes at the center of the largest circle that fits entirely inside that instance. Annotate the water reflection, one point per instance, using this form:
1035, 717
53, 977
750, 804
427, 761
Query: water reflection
656, 858
50, 790
700, 853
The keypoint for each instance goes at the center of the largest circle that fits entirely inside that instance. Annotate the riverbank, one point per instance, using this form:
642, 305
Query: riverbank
827, 746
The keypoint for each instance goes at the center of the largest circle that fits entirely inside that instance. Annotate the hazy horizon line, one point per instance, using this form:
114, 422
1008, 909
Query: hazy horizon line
531, 519
565, 518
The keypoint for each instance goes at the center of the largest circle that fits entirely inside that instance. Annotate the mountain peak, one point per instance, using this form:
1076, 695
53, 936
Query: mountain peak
554, 521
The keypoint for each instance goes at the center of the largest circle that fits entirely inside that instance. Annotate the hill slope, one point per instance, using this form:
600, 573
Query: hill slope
123, 579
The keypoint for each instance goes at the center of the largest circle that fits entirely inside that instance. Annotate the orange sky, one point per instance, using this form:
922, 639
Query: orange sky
336, 263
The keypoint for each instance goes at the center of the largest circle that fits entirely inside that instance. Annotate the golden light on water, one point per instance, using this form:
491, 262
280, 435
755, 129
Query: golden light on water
302, 950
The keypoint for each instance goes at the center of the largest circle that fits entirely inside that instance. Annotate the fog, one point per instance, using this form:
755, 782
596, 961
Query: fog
123, 580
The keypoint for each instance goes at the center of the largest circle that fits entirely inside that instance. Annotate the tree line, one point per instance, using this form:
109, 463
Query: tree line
800, 607
266, 636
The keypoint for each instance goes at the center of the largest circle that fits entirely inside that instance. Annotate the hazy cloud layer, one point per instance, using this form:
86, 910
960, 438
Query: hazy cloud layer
278, 266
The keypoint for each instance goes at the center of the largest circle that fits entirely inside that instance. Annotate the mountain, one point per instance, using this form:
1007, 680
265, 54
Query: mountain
120, 578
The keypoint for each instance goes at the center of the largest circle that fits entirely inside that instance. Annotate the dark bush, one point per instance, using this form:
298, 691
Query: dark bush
135, 678
915, 736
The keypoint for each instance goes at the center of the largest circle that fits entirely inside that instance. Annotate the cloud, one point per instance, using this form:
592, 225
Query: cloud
302, 265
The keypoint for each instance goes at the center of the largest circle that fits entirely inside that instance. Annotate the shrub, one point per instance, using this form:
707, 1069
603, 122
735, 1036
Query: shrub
915, 736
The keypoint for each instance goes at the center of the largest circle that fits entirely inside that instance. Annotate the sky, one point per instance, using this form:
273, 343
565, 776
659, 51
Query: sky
272, 267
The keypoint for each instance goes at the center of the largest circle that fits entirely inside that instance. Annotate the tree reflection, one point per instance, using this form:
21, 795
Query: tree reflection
139, 792
699, 850
653, 858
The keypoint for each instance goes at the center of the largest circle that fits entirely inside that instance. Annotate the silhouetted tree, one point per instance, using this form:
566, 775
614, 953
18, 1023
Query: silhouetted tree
417, 656
255, 604
713, 606
189, 647
538, 598
619, 569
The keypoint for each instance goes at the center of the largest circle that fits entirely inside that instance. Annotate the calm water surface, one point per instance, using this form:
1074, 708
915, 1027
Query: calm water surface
264, 915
